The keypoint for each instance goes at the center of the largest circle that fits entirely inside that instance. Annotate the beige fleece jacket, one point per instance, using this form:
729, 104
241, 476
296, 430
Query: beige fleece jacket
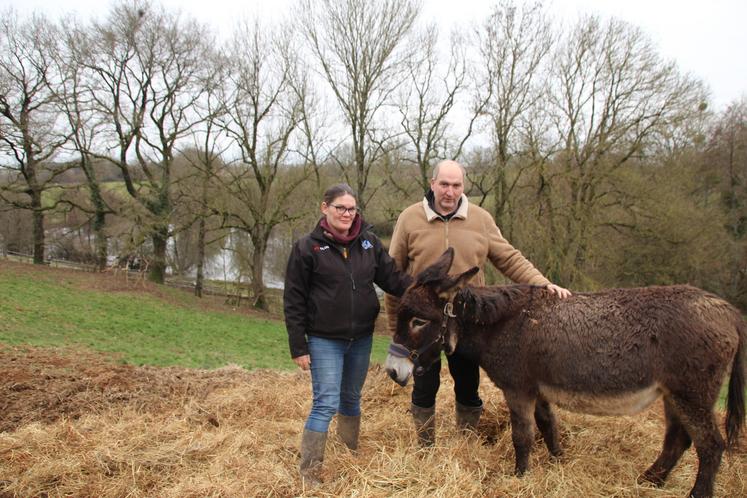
421, 235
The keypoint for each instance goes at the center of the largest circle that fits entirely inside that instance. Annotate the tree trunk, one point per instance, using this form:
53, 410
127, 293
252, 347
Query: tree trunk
360, 167
199, 281
38, 226
500, 201
99, 213
157, 270
99, 222
258, 263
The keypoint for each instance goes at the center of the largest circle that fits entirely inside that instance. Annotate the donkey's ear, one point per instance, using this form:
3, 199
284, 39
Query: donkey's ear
450, 286
439, 270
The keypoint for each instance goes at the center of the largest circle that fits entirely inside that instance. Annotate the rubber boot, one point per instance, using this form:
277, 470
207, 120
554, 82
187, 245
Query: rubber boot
348, 429
425, 424
312, 456
467, 417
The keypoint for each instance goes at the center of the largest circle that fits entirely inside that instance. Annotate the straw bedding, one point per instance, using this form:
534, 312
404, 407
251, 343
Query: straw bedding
74, 423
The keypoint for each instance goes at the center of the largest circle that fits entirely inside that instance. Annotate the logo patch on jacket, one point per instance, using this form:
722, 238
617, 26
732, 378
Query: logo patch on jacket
317, 248
366, 244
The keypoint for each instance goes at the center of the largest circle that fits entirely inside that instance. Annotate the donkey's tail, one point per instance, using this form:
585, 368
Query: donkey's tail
735, 410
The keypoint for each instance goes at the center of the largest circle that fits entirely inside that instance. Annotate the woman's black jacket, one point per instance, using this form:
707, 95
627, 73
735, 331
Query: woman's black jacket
329, 295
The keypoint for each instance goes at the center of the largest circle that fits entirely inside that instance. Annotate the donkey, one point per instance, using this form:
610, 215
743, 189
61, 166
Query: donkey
606, 353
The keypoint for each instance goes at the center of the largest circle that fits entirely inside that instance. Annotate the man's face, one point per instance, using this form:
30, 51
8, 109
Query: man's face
447, 188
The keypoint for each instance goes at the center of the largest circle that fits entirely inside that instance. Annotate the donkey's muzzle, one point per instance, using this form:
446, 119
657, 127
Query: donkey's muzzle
393, 375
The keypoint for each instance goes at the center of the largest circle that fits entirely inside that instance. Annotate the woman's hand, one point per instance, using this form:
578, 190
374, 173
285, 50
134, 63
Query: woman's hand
303, 362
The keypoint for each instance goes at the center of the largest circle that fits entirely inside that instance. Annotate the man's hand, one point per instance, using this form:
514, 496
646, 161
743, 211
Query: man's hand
304, 362
559, 291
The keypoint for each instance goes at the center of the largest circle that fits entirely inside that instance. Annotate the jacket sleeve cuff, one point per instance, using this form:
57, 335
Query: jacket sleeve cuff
298, 345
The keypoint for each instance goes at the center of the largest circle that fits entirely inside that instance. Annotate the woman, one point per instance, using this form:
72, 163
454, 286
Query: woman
330, 309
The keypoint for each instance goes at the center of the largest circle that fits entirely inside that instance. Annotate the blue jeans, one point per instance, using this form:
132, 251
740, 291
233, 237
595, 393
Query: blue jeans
338, 371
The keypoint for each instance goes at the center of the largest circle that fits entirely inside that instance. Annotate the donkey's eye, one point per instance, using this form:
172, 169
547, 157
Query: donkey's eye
417, 323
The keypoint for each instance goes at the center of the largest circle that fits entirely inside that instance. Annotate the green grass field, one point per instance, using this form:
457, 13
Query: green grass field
47, 307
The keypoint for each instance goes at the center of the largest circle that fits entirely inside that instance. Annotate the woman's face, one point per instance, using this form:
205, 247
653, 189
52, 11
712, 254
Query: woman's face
340, 213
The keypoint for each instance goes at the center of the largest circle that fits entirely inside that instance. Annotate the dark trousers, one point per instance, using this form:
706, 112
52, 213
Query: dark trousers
466, 375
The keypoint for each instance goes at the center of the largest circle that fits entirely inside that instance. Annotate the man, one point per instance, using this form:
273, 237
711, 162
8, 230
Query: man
445, 218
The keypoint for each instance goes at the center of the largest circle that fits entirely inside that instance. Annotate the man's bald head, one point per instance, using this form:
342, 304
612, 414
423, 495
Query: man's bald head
450, 165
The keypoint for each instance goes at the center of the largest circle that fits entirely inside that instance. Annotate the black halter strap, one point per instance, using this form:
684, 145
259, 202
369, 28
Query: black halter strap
400, 351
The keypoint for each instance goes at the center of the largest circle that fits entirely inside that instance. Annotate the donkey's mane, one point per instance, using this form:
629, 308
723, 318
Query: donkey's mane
489, 305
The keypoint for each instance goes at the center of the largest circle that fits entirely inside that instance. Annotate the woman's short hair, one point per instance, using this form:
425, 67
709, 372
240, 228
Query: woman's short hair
338, 190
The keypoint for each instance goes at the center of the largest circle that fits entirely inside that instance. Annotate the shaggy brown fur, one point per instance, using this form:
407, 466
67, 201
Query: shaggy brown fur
605, 353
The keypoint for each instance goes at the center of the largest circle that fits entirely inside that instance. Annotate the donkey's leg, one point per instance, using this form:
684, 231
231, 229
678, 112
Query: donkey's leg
676, 441
548, 426
521, 407
700, 423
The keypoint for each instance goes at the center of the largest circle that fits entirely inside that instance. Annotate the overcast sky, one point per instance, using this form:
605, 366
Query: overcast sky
707, 38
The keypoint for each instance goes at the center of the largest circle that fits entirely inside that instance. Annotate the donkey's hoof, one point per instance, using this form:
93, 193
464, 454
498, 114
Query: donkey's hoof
652, 477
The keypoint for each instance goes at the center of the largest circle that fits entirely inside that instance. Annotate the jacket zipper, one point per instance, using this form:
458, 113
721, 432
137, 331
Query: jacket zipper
346, 256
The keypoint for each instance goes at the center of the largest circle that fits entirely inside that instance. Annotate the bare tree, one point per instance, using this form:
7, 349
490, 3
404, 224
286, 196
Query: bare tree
432, 98
319, 131
30, 134
75, 96
514, 43
205, 158
262, 118
360, 48
612, 95
150, 65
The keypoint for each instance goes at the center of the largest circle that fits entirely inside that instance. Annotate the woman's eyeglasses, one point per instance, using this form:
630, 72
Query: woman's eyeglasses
342, 209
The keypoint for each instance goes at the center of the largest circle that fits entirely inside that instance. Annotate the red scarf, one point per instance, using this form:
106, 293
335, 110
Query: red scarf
355, 229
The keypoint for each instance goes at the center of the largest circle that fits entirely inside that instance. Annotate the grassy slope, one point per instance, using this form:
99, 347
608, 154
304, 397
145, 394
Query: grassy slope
51, 307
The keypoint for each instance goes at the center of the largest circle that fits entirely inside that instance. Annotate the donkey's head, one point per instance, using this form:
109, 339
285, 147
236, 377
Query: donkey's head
425, 324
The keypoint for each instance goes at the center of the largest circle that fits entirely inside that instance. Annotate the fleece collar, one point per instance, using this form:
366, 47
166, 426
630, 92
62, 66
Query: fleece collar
431, 214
